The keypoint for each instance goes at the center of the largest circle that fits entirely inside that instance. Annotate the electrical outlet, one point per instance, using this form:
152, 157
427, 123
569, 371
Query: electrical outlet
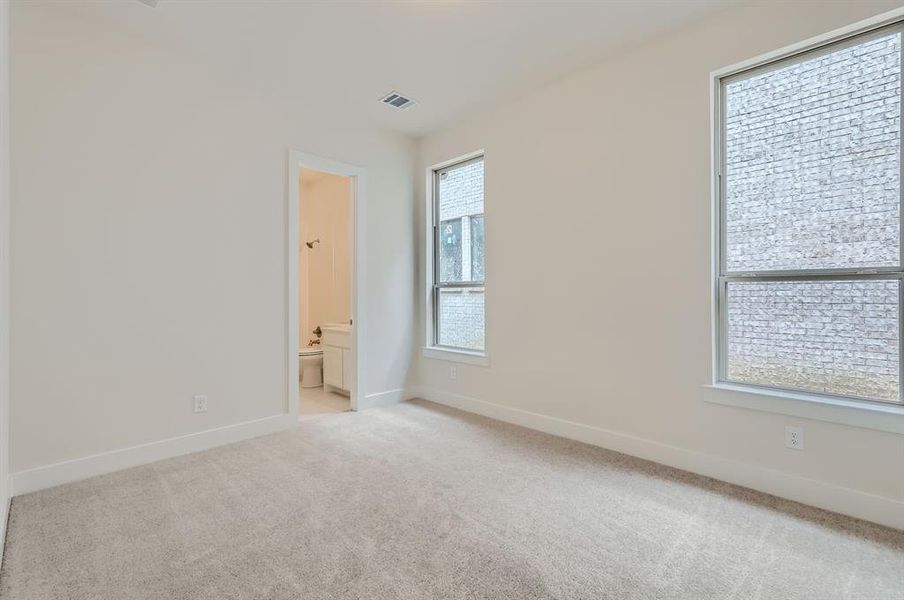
199, 404
794, 437
453, 372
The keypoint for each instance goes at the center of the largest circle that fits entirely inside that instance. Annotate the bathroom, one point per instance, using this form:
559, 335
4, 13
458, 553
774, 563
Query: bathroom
326, 360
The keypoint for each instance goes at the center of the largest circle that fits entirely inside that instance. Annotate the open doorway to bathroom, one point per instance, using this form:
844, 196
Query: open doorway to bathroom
323, 300
325, 358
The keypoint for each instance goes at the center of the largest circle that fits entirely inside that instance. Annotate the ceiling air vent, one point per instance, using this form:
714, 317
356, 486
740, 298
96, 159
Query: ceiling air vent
397, 100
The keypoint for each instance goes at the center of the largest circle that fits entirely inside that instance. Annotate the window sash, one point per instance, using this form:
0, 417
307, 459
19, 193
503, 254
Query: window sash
471, 219
436, 316
438, 285
722, 318
438, 275
724, 276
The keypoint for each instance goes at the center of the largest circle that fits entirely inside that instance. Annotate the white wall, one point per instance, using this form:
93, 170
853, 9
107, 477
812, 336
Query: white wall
326, 282
149, 201
4, 269
597, 241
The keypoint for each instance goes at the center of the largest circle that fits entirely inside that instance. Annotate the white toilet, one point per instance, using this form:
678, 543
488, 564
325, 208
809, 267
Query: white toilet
310, 366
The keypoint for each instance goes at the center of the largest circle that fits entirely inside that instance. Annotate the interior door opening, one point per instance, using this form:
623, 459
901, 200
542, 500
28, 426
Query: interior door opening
322, 287
325, 357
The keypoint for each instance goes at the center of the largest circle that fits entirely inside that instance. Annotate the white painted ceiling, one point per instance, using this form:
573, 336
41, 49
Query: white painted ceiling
452, 56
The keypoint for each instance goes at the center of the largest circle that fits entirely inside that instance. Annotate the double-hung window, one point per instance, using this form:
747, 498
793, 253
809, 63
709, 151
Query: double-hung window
809, 276
458, 256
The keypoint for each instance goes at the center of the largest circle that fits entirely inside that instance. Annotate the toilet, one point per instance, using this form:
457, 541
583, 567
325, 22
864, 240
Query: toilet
310, 366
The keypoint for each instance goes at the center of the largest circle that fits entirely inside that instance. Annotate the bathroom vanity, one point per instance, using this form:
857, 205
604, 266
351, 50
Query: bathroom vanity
338, 359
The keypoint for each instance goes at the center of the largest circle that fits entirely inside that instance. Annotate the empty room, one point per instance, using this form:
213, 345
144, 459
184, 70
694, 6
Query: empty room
451, 299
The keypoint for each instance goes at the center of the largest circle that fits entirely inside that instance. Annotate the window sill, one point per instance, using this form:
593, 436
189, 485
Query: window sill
467, 357
867, 415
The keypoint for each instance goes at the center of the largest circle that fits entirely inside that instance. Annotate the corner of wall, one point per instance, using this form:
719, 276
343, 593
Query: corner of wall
5, 487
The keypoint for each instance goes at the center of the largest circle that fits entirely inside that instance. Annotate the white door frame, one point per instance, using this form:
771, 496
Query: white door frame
296, 161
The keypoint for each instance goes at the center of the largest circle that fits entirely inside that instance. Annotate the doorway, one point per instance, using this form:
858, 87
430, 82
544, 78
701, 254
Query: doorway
324, 304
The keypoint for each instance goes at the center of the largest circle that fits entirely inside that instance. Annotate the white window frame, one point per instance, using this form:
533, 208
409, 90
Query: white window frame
431, 348
886, 416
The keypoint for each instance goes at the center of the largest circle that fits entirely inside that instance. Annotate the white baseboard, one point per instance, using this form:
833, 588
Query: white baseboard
39, 478
384, 399
870, 507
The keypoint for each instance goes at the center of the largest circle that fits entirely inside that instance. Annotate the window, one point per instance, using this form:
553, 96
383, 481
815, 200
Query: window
809, 267
450, 250
477, 247
458, 271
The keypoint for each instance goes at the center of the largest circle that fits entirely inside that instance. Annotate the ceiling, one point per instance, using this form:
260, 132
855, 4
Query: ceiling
452, 56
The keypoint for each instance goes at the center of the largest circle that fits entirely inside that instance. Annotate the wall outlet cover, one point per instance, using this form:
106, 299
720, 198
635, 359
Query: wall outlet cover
794, 437
199, 404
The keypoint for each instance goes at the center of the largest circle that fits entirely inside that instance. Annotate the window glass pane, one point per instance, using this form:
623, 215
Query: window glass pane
450, 250
839, 337
812, 162
461, 318
460, 192
477, 248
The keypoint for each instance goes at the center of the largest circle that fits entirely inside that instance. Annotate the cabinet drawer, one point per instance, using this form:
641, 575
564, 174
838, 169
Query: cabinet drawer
339, 339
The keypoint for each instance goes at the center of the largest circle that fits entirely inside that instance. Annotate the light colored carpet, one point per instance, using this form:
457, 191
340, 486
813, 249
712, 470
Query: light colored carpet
415, 502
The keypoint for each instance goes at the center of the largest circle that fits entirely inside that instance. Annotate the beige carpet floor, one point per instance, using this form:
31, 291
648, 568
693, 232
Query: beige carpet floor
416, 502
